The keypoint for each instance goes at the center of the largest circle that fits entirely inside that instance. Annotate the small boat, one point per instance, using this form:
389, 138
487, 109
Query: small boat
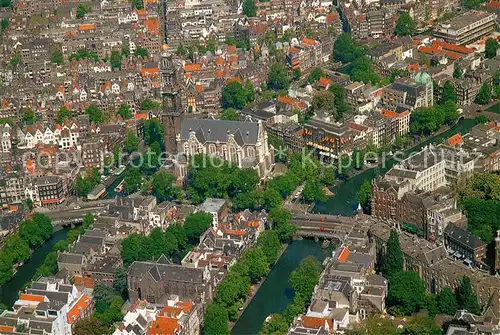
269, 317
120, 170
326, 244
119, 188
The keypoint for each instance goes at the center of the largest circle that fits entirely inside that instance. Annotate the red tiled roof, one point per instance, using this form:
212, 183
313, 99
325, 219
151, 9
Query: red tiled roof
192, 67
455, 140
316, 323
32, 297
152, 26
78, 308
324, 82
86, 26
344, 254
87, 282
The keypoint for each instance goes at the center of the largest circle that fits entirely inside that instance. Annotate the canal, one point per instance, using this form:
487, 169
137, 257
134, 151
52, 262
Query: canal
276, 293
344, 201
9, 291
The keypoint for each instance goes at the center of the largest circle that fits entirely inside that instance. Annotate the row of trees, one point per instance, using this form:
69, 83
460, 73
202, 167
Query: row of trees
479, 196
17, 247
359, 66
210, 177
232, 292
407, 291
427, 120
85, 183
173, 242
49, 266
303, 280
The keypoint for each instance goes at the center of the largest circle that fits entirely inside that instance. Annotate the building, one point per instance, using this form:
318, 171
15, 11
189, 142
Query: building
464, 245
409, 94
156, 281
49, 306
242, 143
50, 190
218, 208
467, 27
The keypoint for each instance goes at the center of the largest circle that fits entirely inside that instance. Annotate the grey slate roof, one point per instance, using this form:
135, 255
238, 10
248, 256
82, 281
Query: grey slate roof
69, 258
463, 236
208, 130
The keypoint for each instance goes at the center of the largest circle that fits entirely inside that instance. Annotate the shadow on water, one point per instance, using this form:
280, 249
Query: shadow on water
276, 293
9, 291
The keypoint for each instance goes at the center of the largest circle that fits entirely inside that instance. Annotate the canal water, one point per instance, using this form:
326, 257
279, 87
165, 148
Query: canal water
276, 293
9, 291
344, 201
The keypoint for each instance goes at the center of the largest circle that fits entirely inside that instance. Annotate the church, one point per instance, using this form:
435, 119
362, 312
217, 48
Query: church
243, 143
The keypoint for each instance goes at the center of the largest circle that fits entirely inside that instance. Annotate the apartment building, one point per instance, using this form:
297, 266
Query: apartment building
463, 244
467, 27
408, 93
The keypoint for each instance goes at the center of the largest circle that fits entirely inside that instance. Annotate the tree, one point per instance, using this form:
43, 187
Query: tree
315, 75
446, 302
374, 325
153, 132
120, 282
481, 119
196, 224
362, 69
141, 52
4, 24
365, 196
448, 93
126, 49
147, 105
471, 4
278, 77
125, 111
280, 221
230, 114
81, 10
269, 243
491, 47
163, 186
256, 261
425, 120
421, 325
131, 142
277, 325
484, 95
313, 191
305, 277
181, 50
116, 60
271, 199
29, 115
406, 293
393, 259
96, 115
457, 70
90, 326
57, 57
345, 49
63, 114
405, 26
234, 95
132, 179
137, 4
15, 60
29, 204
466, 298
216, 320
249, 8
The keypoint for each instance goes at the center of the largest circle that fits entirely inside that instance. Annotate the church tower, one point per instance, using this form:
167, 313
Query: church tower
172, 109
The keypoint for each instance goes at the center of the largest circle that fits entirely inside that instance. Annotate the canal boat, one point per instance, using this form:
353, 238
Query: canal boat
119, 188
269, 317
120, 170
326, 244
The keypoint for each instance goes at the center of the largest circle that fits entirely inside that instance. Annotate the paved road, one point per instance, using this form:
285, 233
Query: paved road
67, 216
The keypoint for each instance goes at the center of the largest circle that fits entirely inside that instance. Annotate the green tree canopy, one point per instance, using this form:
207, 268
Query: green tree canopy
95, 114
235, 95
446, 302
269, 243
406, 293
484, 95
466, 298
132, 179
278, 77
405, 26
57, 57
29, 115
216, 320
305, 277
249, 8
116, 60
345, 49
393, 259
491, 47
448, 93
196, 224
315, 75
125, 112
63, 114
163, 186
230, 114
141, 52
81, 10
365, 196
131, 142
